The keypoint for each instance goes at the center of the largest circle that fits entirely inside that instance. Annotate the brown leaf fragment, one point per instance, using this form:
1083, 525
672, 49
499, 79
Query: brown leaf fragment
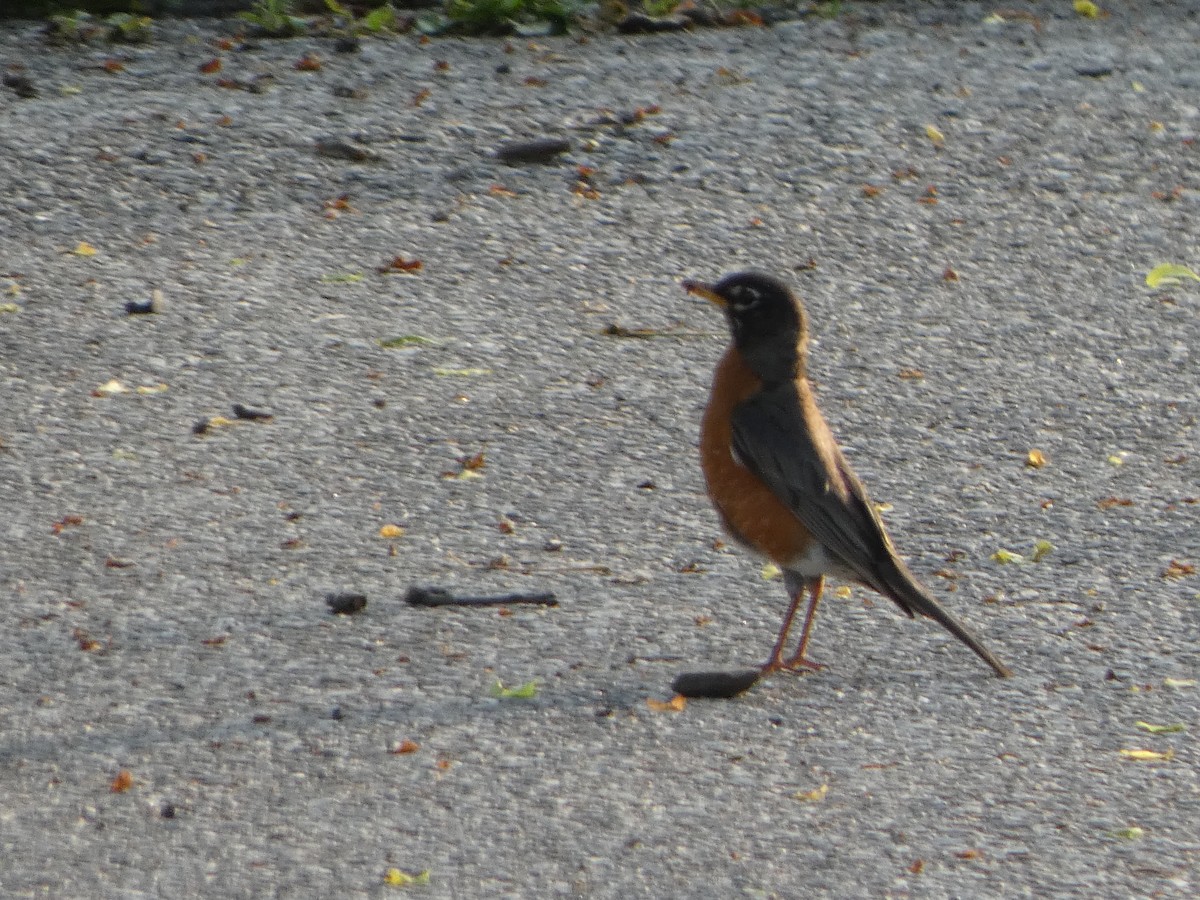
85, 641
917, 867
213, 65
1110, 502
66, 522
121, 782
1177, 569
404, 747
400, 264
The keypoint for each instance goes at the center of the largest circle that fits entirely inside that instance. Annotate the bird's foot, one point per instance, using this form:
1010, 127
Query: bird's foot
795, 664
802, 663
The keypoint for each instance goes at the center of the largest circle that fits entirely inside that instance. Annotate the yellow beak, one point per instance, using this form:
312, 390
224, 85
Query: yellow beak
700, 289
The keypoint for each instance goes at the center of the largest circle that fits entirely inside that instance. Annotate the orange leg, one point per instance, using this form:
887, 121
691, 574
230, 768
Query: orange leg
775, 663
798, 659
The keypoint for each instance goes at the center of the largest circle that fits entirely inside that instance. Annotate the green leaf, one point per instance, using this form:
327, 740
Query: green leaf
1161, 729
1133, 833
522, 692
1169, 273
1041, 550
345, 278
404, 340
380, 19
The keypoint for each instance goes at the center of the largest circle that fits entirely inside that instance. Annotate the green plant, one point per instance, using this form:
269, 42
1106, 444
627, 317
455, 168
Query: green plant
128, 28
503, 16
73, 27
380, 19
274, 18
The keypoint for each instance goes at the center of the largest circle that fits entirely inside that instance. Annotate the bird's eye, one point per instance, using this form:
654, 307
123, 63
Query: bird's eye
744, 297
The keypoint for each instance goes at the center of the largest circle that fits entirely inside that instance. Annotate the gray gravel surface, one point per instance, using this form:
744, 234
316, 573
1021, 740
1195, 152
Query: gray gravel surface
164, 591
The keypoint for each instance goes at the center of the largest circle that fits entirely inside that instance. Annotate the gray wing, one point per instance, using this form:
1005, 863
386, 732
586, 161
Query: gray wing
808, 473
804, 468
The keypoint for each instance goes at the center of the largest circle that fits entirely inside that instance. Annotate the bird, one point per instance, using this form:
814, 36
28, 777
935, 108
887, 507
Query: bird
777, 478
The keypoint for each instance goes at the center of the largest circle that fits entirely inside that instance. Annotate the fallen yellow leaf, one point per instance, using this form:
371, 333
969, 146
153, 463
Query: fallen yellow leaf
1161, 729
1035, 459
83, 248
397, 878
1148, 755
1087, 9
111, 387
813, 796
1169, 273
932, 132
391, 531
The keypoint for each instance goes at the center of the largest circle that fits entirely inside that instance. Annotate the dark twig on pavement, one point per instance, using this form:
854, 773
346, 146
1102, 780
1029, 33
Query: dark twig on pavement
436, 596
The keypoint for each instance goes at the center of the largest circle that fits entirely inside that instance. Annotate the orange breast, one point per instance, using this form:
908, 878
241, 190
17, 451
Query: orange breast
751, 513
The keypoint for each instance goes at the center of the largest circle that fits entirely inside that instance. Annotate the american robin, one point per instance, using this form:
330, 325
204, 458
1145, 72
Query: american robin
777, 476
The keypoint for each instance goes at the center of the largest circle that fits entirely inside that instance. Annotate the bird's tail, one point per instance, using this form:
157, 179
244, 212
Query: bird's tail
903, 588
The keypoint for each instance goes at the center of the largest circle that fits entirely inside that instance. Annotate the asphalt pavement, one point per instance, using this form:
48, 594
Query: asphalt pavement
968, 196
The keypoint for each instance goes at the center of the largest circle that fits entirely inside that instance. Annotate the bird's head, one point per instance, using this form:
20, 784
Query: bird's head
768, 322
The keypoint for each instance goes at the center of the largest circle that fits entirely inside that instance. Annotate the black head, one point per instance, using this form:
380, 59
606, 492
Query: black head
767, 320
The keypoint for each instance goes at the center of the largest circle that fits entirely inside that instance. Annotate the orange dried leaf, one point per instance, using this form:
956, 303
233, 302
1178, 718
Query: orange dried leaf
122, 782
676, 704
472, 463
406, 746
213, 65
113, 66
66, 522
391, 531
308, 63
400, 264
420, 96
